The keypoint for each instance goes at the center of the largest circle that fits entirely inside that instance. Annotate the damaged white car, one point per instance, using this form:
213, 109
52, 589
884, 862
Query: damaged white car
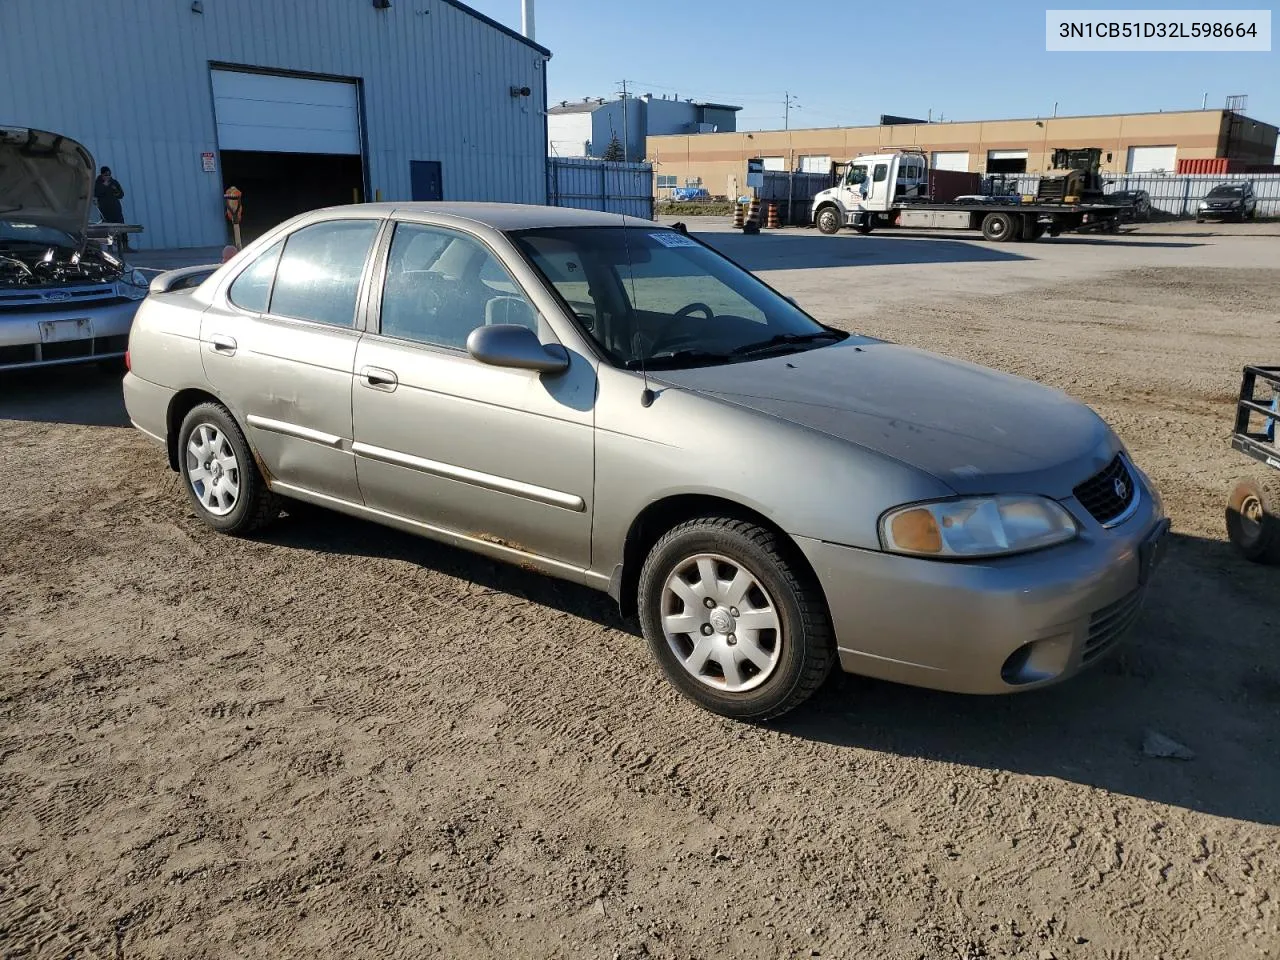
63, 297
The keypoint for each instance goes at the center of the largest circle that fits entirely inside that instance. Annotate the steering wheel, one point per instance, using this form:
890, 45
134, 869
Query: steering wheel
660, 338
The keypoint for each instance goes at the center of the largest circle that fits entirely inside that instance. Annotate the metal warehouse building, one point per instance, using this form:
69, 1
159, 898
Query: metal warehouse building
297, 103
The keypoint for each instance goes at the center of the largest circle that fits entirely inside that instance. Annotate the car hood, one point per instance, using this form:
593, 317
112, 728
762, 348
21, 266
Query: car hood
45, 178
974, 429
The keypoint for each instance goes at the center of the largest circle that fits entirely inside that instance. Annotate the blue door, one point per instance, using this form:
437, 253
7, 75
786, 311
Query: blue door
425, 182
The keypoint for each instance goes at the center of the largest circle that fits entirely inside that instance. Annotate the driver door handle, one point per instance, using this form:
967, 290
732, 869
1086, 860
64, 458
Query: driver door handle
379, 378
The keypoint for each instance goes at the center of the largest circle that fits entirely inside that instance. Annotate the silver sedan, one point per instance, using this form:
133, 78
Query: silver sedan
614, 402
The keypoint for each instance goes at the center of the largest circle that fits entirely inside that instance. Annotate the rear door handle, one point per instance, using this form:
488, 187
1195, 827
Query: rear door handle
379, 378
220, 343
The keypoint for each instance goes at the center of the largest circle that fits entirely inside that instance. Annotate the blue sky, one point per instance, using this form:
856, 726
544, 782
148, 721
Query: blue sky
966, 61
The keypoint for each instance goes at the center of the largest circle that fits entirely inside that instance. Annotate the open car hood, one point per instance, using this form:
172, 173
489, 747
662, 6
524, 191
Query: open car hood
45, 178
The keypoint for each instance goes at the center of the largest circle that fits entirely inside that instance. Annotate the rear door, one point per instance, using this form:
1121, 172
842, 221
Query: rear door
494, 454
280, 352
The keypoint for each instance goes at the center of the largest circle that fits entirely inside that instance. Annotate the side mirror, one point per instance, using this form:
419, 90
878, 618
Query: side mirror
512, 345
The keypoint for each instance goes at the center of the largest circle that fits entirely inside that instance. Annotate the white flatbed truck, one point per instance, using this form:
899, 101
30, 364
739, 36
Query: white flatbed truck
893, 190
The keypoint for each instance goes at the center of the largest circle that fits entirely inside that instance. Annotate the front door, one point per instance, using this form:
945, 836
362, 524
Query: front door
425, 180
493, 454
281, 351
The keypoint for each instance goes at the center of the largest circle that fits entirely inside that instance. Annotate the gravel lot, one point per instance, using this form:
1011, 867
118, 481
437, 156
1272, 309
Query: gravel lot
338, 740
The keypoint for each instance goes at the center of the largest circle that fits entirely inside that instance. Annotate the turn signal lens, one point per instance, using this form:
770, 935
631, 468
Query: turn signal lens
916, 531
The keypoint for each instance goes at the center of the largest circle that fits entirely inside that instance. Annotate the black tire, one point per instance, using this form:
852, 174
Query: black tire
1030, 230
863, 228
254, 504
829, 220
1199, 219
803, 644
1253, 519
999, 227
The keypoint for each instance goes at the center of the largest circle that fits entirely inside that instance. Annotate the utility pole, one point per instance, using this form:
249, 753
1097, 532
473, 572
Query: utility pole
788, 102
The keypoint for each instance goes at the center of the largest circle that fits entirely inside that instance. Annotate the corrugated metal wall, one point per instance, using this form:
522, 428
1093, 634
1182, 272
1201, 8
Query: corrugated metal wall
590, 184
130, 80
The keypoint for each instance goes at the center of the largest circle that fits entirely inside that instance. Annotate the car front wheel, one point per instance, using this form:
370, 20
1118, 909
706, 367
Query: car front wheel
219, 474
734, 619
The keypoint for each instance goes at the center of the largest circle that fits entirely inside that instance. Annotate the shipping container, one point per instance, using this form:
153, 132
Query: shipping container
1210, 165
946, 185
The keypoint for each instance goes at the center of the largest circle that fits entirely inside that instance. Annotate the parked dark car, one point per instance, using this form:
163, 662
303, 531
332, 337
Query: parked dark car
1136, 202
1228, 201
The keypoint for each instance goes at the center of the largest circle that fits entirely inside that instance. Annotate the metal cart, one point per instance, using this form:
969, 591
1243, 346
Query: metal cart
1253, 509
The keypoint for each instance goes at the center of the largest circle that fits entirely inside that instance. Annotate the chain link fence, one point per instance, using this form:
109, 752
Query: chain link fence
1175, 194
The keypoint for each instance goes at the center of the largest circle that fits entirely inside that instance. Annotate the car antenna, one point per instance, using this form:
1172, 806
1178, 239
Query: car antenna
646, 395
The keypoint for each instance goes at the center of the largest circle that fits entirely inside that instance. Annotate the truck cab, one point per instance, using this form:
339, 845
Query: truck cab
871, 184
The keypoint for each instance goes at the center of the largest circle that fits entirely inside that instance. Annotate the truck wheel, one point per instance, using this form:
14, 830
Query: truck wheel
829, 220
999, 227
734, 619
863, 228
1253, 519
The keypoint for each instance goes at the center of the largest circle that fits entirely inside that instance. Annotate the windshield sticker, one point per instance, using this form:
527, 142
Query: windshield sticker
673, 239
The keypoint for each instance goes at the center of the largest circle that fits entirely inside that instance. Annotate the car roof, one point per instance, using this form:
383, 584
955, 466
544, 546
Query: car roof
500, 216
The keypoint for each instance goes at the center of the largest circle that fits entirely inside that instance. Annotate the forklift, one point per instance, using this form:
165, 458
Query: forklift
1082, 183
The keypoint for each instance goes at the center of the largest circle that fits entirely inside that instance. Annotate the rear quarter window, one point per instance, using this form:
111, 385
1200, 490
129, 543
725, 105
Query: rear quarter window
252, 289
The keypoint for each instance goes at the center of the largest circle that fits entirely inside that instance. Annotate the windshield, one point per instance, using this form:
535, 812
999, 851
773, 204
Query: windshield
15, 231
656, 296
1231, 191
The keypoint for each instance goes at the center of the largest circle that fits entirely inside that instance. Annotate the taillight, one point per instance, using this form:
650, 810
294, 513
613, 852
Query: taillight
126, 361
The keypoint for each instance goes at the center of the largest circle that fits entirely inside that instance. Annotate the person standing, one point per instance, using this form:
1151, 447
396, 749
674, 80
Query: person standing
108, 192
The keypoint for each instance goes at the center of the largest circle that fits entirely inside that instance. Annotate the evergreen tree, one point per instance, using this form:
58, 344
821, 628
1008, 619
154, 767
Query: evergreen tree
614, 150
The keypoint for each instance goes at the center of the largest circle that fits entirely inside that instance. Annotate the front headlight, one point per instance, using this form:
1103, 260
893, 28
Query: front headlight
1204, 205
976, 527
134, 285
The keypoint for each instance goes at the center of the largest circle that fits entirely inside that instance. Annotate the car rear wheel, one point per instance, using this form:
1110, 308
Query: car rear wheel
221, 478
734, 619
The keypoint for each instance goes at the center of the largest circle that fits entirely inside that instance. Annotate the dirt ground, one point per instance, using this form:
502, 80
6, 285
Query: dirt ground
337, 740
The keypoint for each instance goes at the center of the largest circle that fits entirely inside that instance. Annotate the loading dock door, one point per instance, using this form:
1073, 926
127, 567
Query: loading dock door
279, 114
951, 160
289, 144
1006, 161
1150, 159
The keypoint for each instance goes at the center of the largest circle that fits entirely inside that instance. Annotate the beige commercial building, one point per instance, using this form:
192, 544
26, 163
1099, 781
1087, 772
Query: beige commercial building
1130, 143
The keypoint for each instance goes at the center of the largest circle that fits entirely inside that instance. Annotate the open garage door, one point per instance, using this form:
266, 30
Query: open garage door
1006, 161
289, 144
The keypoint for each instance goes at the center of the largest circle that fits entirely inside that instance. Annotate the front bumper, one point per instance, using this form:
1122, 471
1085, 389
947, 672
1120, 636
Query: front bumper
990, 626
1220, 213
83, 333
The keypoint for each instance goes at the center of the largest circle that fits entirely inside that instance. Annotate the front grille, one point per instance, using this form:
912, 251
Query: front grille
1108, 494
64, 350
1109, 624
28, 305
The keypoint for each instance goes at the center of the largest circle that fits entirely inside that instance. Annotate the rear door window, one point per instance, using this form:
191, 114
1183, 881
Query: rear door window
318, 278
